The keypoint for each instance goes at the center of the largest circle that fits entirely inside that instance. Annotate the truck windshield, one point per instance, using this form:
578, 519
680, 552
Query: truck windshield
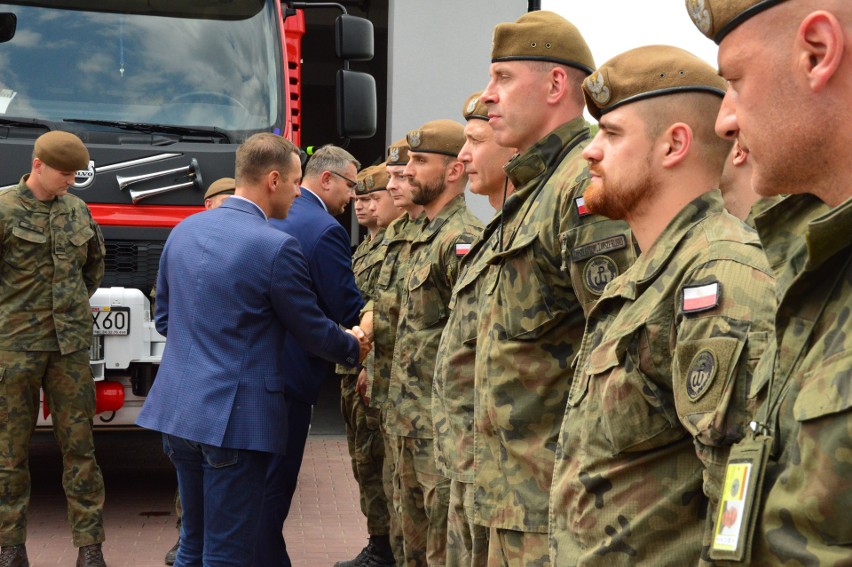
222, 73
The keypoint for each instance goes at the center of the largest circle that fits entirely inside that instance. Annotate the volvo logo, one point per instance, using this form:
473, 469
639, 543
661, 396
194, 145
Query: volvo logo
85, 177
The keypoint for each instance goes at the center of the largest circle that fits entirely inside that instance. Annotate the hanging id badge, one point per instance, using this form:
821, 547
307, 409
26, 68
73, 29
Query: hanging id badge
740, 500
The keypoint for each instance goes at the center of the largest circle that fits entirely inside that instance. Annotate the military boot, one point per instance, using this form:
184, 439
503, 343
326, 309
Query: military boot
14, 556
377, 554
91, 556
171, 555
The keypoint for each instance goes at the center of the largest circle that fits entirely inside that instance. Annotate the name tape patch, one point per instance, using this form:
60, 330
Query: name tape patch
598, 247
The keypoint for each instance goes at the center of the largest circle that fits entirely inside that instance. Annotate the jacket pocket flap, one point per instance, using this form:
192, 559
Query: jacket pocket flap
826, 389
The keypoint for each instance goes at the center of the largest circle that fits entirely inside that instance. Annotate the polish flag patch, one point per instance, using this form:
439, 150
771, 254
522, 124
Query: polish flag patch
582, 210
462, 249
701, 298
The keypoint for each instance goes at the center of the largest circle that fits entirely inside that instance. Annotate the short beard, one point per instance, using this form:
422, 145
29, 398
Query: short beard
618, 200
424, 193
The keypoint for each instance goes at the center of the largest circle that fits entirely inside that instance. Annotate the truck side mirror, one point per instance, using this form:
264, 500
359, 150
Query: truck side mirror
8, 23
356, 104
353, 38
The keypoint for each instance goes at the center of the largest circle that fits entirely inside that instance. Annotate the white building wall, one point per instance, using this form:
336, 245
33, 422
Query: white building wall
438, 54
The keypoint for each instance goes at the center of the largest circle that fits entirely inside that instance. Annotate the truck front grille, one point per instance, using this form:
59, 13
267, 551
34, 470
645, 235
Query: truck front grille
132, 263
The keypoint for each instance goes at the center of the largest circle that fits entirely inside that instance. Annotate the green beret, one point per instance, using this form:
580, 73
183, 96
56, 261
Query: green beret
437, 137
474, 108
542, 36
398, 153
223, 185
717, 18
646, 72
372, 179
62, 151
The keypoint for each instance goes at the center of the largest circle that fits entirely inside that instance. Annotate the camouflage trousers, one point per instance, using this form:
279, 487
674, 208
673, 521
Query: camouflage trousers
508, 548
388, 472
422, 499
70, 394
467, 543
367, 450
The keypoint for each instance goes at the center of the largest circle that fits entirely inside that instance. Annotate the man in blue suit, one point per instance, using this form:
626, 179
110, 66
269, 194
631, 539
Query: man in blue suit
230, 288
328, 185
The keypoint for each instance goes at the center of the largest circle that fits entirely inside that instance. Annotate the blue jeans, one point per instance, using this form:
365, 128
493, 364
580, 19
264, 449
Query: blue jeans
281, 477
221, 491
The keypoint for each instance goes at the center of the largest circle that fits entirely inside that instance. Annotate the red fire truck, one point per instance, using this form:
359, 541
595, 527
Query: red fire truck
162, 92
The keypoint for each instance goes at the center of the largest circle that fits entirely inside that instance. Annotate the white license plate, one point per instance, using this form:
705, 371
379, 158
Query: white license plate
111, 320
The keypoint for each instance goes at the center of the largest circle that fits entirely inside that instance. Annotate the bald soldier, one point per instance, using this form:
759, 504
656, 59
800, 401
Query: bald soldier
788, 66
452, 389
363, 435
437, 183
552, 261
53, 261
661, 385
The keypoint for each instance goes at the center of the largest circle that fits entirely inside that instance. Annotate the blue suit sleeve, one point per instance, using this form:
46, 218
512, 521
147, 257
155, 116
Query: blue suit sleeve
335, 282
296, 306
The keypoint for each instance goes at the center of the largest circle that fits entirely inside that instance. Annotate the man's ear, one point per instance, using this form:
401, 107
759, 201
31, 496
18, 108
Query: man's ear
676, 142
455, 170
820, 42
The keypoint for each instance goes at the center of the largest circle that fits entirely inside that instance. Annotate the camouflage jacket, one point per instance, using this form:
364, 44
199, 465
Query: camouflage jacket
660, 392
807, 509
395, 252
532, 322
453, 384
366, 262
53, 261
433, 270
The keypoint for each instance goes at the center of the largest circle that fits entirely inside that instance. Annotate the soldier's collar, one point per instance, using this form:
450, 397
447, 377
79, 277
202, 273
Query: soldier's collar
652, 261
544, 154
432, 226
828, 234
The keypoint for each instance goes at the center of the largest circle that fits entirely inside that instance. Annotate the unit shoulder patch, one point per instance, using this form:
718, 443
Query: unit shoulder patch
699, 377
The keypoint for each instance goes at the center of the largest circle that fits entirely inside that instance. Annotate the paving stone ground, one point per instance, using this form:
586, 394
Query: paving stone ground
325, 523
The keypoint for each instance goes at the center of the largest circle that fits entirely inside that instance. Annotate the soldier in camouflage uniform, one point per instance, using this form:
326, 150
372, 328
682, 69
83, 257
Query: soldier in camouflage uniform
660, 387
437, 182
363, 435
737, 191
788, 66
53, 261
452, 388
395, 251
541, 278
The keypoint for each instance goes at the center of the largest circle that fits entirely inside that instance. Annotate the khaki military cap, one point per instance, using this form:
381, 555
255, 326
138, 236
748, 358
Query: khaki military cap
223, 185
398, 153
646, 72
717, 18
542, 36
474, 108
372, 179
62, 151
437, 137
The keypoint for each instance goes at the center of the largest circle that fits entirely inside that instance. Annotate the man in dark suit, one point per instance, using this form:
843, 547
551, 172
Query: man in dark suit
230, 288
328, 185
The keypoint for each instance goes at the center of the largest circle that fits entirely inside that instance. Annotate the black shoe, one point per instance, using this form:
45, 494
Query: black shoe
171, 556
374, 555
91, 556
14, 556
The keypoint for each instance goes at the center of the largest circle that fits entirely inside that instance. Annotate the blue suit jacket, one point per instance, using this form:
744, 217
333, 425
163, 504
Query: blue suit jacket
230, 288
325, 244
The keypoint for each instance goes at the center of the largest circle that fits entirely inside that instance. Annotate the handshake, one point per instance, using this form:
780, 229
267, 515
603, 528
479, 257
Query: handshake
364, 333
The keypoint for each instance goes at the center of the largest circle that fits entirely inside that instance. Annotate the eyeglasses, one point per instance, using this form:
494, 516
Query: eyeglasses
351, 184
